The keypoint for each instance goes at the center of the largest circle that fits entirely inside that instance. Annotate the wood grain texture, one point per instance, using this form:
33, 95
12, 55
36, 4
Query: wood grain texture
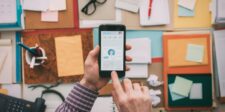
47, 73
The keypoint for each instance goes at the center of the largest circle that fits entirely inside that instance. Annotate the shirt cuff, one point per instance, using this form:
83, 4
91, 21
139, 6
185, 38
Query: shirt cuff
81, 98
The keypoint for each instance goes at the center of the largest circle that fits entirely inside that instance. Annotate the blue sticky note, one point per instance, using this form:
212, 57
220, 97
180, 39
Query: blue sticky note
154, 36
184, 12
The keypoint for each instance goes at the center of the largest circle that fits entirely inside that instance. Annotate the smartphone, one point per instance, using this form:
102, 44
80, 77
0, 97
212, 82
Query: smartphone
112, 50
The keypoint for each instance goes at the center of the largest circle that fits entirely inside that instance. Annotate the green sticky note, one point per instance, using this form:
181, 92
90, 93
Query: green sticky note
174, 96
195, 53
182, 86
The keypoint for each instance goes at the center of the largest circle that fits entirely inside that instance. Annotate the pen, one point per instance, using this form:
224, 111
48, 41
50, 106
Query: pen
150, 8
32, 51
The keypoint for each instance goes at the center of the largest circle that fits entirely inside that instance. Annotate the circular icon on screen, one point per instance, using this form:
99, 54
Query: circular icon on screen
111, 52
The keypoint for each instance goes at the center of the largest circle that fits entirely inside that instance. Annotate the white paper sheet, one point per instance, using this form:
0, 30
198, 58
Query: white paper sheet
57, 5
13, 89
141, 50
189, 4
160, 14
96, 23
196, 91
104, 104
36, 5
129, 5
8, 11
6, 69
137, 71
220, 54
50, 16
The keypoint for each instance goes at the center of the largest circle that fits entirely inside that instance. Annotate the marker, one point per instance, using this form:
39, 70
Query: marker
150, 8
32, 51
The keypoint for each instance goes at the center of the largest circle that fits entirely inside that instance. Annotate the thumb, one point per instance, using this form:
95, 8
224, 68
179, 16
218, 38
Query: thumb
95, 52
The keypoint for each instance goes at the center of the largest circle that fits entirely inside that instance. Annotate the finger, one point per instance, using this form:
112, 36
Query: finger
127, 68
116, 84
115, 99
128, 47
95, 52
137, 87
128, 86
128, 58
145, 90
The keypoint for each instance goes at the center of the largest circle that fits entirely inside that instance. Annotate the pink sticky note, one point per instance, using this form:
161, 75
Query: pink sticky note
50, 16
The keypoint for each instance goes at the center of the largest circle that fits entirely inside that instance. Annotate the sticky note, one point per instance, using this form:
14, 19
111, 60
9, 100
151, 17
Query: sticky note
174, 95
182, 86
69, 56
189, 4
184, 12
4, 91
195, 53
50, 16
196, 91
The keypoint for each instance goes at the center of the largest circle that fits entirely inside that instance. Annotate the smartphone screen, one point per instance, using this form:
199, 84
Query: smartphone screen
112, 51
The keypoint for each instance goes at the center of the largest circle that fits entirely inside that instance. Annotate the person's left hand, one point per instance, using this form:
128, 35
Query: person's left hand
91, 78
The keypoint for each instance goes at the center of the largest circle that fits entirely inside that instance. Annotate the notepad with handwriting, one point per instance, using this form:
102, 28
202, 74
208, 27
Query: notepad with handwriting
8, 11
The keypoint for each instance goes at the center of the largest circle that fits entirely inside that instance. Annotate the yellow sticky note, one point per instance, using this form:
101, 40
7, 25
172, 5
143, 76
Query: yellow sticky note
69, 55
4, 91
202, 18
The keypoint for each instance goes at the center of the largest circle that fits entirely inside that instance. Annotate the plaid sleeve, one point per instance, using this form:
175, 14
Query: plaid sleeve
80, 99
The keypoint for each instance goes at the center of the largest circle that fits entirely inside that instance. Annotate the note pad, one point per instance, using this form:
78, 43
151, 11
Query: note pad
177, 51
8, 11
69, 55
182, 86
183, 12
195, 53
189, 4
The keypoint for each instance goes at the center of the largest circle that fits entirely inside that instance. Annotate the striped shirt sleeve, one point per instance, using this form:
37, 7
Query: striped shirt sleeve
80, 99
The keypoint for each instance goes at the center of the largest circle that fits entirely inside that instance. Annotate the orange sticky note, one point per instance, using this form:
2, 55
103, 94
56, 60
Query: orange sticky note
177, 51
69, 55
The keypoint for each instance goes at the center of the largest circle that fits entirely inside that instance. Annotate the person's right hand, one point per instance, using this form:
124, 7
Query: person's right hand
133, 98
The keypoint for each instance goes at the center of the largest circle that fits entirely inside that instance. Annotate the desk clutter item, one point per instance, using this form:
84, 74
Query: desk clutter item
187, 86
47, 72
129, 5
11, 15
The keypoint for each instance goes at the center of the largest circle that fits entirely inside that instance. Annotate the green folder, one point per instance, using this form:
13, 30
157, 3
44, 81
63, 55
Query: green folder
205, 79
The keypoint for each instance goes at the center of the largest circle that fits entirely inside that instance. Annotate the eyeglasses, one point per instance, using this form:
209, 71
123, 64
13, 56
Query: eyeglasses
90, 7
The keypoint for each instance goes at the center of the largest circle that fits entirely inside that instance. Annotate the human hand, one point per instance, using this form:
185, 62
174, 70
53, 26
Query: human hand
133, 98
91, 78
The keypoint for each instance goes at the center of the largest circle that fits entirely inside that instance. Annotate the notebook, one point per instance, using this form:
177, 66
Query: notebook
160, 14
